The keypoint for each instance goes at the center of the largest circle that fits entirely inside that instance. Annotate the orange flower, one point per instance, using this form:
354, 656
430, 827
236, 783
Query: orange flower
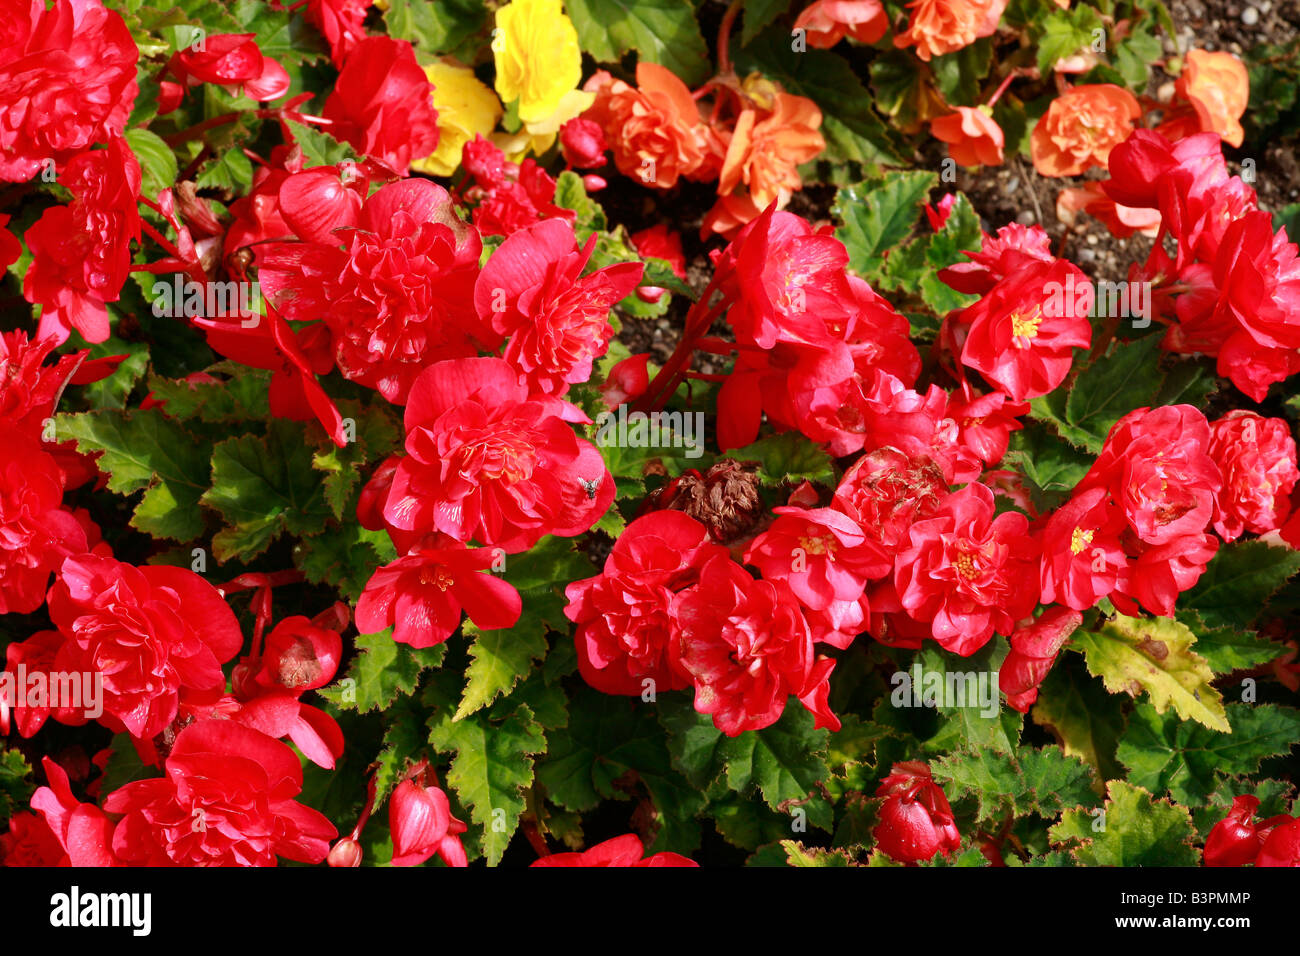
1081, 127
827, 22
654, 128
972, 135
1122, 221
937, 27
764, 152
1218, 87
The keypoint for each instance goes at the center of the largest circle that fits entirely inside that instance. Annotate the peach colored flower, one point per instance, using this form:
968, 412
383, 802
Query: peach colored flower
1218, 87
1122, 221
1081, 127
827, 22
654, 128
937, 27
972, 135
766, 149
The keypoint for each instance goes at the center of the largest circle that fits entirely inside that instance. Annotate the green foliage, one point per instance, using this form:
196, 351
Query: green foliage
1136, 830
661, 31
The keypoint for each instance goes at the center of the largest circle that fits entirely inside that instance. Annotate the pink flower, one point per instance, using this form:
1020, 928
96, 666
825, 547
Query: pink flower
1083, 558
491, 461
583, 143
626, 631
231, 59
67, 81
382, 104
1257, 459
150, 631
422, 825
747, 648
626, 850
533, 291
968, 572
422, 593
82, 251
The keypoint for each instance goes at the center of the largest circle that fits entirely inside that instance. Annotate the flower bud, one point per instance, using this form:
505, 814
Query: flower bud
583, 143
1234, 840
915, 820
347, 852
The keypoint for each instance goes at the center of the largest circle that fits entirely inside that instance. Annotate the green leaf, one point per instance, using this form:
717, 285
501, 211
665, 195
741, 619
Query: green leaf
405, 741
966, 722
1228, 649
434, 28
958, 75
661, 31
145, 449
501, 658
492, 766
1238, 582
264, 487
631, 441
784, 761
16, 787
113, 391
799, 855
1086, 720
124, 765
320, 148
1133, 654
1137, 830
758, 14
1042, 781
1165, 753
237, 394
853, 131
381, 671
1274, 798
231, 171
344, 557
878, 214
1050, 466
157, 161
610, 742
1128, 377
788, 457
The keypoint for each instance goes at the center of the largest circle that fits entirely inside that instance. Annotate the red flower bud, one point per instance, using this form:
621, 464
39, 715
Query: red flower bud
915, 819
347, 852
583, 143
1234, 840
1281, 845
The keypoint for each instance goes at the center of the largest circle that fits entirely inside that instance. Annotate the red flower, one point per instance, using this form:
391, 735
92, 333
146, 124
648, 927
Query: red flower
84, 832
1033, 652
382, 104
341, 22
422, 825
626, 631
82, 251
583, 143
36, 534
507, 197
30, 842
67, 81
231, 59
626, 850
915, 819
1083, 558
1281, 844
659, 242
968, 572
37, 655
489, 460
827, 22
299, 656
748, 649
395, 288
1235, 840
985, 422
1156, 464
1164, 571
886, 490
150, 631
227, 800
557, 320
820, 554
1257, 459
1023, 332
1013, 249
422, 594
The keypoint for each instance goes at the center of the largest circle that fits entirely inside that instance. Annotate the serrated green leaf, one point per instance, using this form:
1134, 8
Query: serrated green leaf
237, 393
758, 14
1128, 377
16, 786
788, 457
492, 767
1228, 649
784, 761
145, 449
1165, 753
344, 557
263, 487
1138, 831
877, 215
1133, 654
381, 671
320, 148
405, 741
434, 28
1030, 780
799, 855
1086, 720
1238, 582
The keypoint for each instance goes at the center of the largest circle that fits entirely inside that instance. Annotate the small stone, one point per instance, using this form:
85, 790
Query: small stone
1092, 239
1026, 217
1250, 16
1012, 184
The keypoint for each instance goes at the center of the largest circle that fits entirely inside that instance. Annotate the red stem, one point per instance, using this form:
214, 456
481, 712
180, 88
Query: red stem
724, 37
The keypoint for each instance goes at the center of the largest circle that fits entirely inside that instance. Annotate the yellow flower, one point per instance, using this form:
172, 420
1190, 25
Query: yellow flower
466, 108
537, 137
537, 57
